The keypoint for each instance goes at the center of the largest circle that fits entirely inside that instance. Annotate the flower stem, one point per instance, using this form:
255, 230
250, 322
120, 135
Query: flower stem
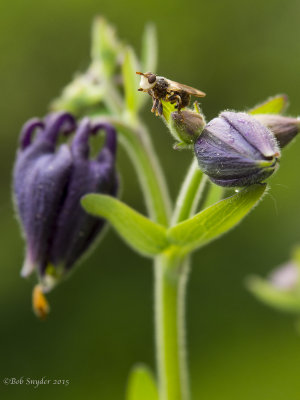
196, 191
190, 193
171, 268
137, 143
170, 282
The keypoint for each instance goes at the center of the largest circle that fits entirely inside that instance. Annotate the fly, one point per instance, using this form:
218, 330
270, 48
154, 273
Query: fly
160, 88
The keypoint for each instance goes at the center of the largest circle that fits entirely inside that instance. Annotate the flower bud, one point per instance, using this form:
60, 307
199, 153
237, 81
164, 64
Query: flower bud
281, 289
234, 149
284, 128
49, 181
285, 277
186, 126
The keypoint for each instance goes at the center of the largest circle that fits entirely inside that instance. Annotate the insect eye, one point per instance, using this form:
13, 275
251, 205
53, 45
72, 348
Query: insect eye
151, 78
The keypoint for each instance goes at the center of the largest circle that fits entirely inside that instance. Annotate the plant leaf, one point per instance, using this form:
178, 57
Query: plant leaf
144, 235
129, 68
141, 384
283, 300
216, 220
274, 105
149, 49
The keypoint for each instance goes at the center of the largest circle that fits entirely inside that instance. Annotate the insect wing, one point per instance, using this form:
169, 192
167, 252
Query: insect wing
176, 86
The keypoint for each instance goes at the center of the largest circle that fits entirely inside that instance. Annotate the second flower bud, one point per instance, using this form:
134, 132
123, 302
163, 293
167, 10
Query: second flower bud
235, 149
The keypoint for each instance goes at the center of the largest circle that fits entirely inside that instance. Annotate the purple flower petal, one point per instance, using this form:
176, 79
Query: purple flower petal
75, 229
40, 178
228, 151
254, 132
49, 181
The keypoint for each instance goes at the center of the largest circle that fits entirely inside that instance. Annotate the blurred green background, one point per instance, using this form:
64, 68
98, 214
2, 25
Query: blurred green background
101, 322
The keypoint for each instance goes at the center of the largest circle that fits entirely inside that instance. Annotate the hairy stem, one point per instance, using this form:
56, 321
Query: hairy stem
170, 283
215, 194
196, 191
137, 143
193, 189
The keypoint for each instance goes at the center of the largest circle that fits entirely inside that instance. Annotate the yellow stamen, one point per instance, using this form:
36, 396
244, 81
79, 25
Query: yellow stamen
40, 304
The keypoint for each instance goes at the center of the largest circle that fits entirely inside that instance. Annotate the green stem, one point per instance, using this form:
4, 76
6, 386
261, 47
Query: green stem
170, 283
137, 143
193, 188
215, 194
196, 191
171, 269
171, 275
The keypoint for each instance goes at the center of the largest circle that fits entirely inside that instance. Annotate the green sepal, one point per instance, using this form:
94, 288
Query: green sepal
149, 55
168, 108
215, 220
93, 91
274, 105
129, 68
284, 299
105, 47
141, 384
149, 49
265, 291
296, 256
182, 146
142, 234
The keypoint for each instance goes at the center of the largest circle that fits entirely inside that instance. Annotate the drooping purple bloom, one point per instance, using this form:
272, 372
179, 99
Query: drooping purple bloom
235, 149
75, 228
49, 180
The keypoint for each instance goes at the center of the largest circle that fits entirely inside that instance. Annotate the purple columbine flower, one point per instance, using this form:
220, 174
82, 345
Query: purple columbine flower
49, 181
235, 149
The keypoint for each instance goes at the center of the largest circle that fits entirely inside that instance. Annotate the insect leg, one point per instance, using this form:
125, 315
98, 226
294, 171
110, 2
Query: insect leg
178, 100
169, 96
175, 98
172, 98
155, 104
160, 108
